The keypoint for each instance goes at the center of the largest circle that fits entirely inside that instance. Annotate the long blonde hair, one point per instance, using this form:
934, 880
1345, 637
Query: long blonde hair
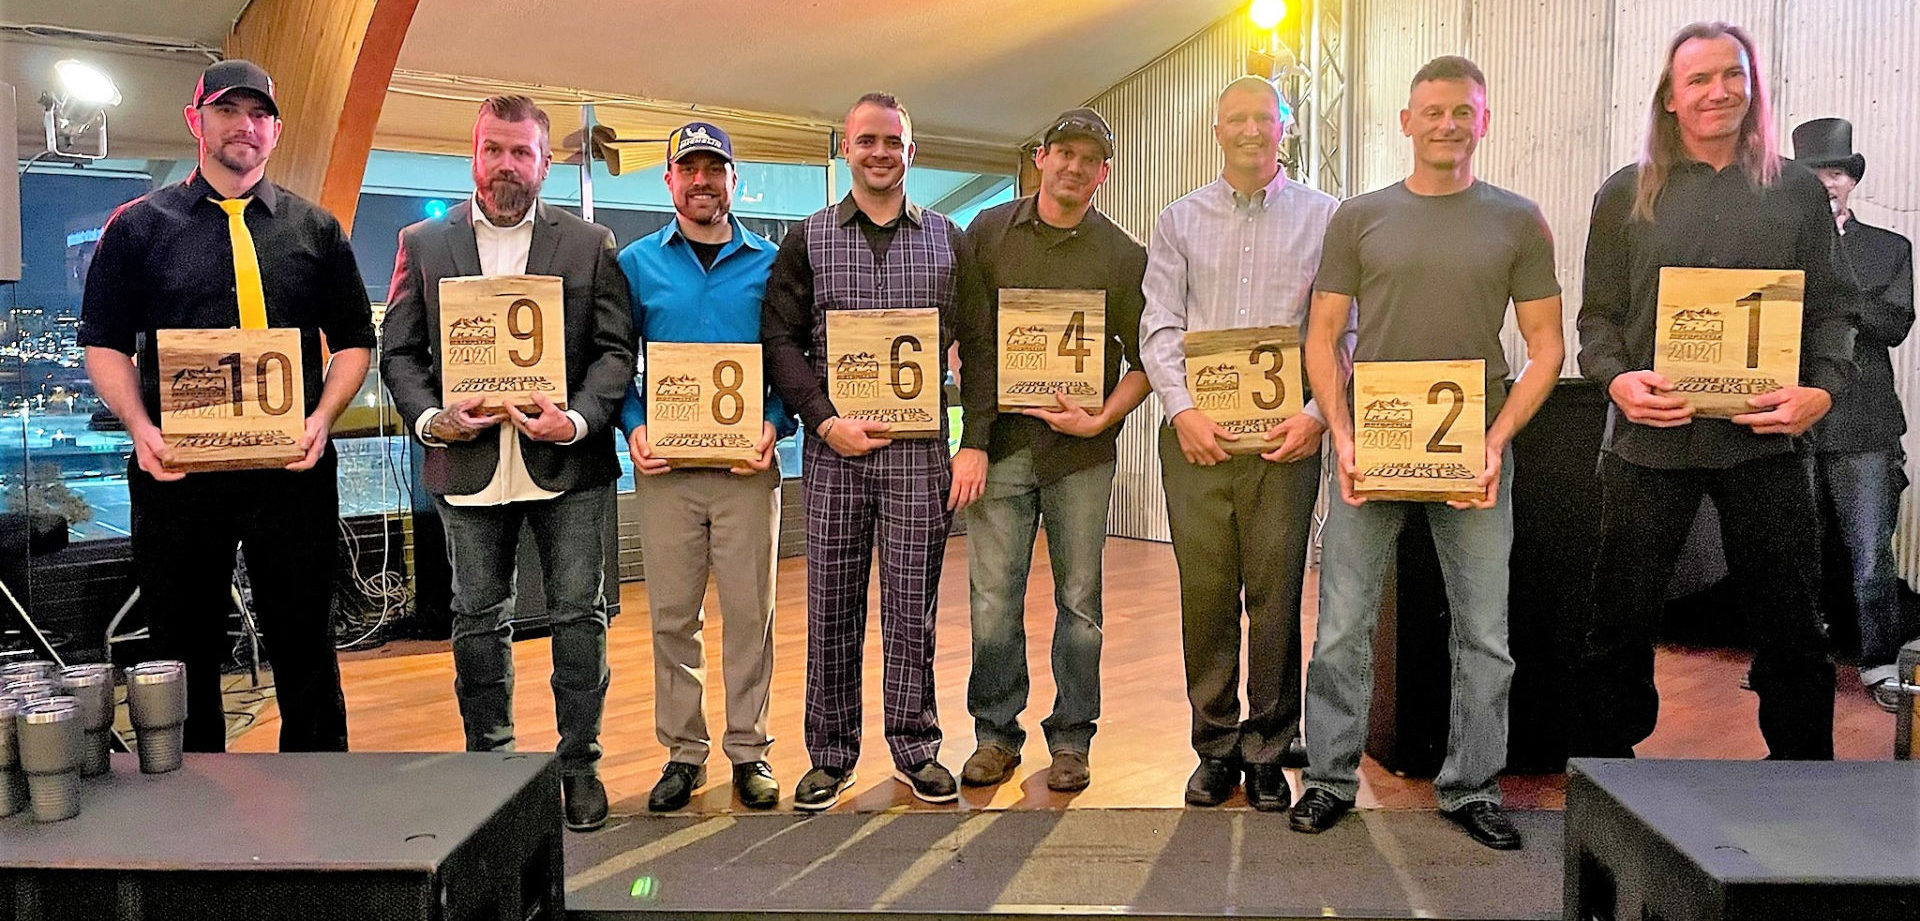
1758, 152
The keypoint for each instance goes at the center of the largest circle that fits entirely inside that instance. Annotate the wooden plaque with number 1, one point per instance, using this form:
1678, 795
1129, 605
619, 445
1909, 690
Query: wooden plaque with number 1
884, 365
705, 402
1246, 380
231, 399
1726, 335
502, 339
1419, 429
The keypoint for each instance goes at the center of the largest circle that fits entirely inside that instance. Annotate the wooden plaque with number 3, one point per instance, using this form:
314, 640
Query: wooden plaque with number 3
502, 339
1419, 429
1723, 336
705, 402
1246, 380
231, 399
884, 365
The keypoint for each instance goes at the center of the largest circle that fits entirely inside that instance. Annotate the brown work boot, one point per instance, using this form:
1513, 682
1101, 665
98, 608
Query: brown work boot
989, 765
1068, 773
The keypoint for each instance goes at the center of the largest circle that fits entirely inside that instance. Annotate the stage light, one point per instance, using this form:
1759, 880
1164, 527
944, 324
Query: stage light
76, 111
1266, 14
85, 84
436, 209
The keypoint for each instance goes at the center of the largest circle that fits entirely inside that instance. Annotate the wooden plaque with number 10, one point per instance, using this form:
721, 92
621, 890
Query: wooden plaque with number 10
1246, 380
884, 365
1419, 429
1724, 336
502, 339
231, 399
705, 402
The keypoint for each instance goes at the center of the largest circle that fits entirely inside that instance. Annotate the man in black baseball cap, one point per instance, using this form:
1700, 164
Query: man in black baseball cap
1859, 466
1080, 123
235, 76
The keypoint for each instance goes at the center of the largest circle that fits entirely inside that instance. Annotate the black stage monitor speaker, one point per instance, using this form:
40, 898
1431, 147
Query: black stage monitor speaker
381, 837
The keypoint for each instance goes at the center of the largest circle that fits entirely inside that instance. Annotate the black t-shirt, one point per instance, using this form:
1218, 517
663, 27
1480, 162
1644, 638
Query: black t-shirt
706, 252
165, 261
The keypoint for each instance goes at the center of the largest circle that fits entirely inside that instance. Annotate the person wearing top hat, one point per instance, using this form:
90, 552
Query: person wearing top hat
700, 279
227, 247
1859, 466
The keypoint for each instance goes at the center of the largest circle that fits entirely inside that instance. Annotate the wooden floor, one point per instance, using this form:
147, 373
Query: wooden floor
400, 698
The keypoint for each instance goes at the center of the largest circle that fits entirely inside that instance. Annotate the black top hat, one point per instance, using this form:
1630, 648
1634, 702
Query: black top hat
1828, 142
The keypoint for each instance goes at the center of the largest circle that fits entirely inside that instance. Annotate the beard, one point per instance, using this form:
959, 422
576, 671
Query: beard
507, 197
246, 158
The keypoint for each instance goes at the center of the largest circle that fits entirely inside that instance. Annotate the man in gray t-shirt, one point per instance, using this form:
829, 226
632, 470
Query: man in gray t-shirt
1426, 269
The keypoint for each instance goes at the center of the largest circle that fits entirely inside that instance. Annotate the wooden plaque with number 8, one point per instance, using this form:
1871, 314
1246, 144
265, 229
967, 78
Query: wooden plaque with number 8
1052, 340
884, 365
1419, 429
1246, 380
705, 402
231, 399
502, 339
1726, 335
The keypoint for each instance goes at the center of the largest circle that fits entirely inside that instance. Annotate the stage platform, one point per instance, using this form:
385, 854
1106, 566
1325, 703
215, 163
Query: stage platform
1082, 863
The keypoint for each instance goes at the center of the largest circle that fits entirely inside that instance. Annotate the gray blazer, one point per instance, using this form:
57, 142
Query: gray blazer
599, 334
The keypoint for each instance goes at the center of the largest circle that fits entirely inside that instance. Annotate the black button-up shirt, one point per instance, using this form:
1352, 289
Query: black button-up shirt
165, 261
1011, 247
1868, 416
1714, 219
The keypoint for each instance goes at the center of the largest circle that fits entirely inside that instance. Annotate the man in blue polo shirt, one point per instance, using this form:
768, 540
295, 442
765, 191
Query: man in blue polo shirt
700, 279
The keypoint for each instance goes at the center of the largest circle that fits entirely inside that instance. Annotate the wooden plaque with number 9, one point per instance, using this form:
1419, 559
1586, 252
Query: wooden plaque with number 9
884, 365
705, 402
231, 399
1052, 340
1246, 380
502, 339
1726, 335
1419, 429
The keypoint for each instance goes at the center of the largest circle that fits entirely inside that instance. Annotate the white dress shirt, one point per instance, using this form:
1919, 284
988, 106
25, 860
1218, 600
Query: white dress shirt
503, 251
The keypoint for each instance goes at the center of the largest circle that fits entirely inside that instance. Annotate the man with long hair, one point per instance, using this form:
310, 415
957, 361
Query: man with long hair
1711, 190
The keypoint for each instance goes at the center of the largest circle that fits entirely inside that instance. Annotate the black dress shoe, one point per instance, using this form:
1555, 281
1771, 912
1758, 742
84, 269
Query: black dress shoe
756, 786
1213, 781
678, 780
1267, 788
1317, 811
1486, 823
585, 801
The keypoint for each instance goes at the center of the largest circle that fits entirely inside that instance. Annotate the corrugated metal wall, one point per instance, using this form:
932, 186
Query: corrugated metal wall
1162, 120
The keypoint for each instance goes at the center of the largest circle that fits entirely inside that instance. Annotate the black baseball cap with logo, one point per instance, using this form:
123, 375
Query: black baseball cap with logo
1081, 123
234, 76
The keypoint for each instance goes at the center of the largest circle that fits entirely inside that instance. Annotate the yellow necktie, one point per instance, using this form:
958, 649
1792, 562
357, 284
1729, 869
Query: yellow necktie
246, 265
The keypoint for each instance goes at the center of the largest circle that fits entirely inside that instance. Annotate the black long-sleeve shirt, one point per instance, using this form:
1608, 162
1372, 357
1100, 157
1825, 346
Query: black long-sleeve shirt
1868, 416
1713, 219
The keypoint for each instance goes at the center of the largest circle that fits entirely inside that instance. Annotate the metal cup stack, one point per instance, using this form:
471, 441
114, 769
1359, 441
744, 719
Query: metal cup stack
91, 685
157, 702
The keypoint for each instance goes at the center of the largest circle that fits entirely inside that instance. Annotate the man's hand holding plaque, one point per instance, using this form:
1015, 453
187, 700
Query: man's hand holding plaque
1724, 338
1246, 383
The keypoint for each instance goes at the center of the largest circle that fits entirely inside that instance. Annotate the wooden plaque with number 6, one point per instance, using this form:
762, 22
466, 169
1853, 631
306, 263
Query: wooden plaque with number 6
884, 365
1726, 335
1246, 380
1052, 340
231, 399
502, 339
705, 402
1419, 429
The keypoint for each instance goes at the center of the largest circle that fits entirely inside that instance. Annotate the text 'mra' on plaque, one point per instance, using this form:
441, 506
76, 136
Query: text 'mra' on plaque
1052, 340
231, 399
502, 339
1246, 380
1723, 336
705, 402
884, 366
1419, 429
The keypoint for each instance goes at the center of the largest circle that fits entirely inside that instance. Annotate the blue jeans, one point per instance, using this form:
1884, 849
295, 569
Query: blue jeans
1000, 535
1358, 545
481, 540
1860, 491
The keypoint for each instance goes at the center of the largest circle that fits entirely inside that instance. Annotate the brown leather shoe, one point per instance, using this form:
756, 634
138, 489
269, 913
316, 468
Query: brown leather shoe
990, 764
1068, 772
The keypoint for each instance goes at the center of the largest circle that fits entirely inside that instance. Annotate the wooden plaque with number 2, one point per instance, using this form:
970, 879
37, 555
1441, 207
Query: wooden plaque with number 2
1419, 429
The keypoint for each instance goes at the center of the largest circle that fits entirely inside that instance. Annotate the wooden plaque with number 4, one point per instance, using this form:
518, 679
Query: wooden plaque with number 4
1052, 341
1419, 429
884, 366
705, 402
231, 399
1723, 336
503, 339
1246, 380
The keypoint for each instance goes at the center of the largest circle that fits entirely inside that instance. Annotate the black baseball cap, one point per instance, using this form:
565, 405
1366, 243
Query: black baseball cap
234, 75
1081, 123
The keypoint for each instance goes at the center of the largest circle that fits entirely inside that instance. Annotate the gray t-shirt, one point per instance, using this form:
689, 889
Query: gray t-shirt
1433, 274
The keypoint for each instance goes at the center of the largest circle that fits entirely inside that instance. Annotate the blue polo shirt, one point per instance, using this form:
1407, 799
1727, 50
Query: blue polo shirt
675, 299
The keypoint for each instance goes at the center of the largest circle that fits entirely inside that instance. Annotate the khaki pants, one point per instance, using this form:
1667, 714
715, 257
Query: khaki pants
693, 522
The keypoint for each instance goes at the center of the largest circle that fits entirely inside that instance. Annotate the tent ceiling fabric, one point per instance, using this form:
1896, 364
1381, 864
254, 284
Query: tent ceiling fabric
991, 70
